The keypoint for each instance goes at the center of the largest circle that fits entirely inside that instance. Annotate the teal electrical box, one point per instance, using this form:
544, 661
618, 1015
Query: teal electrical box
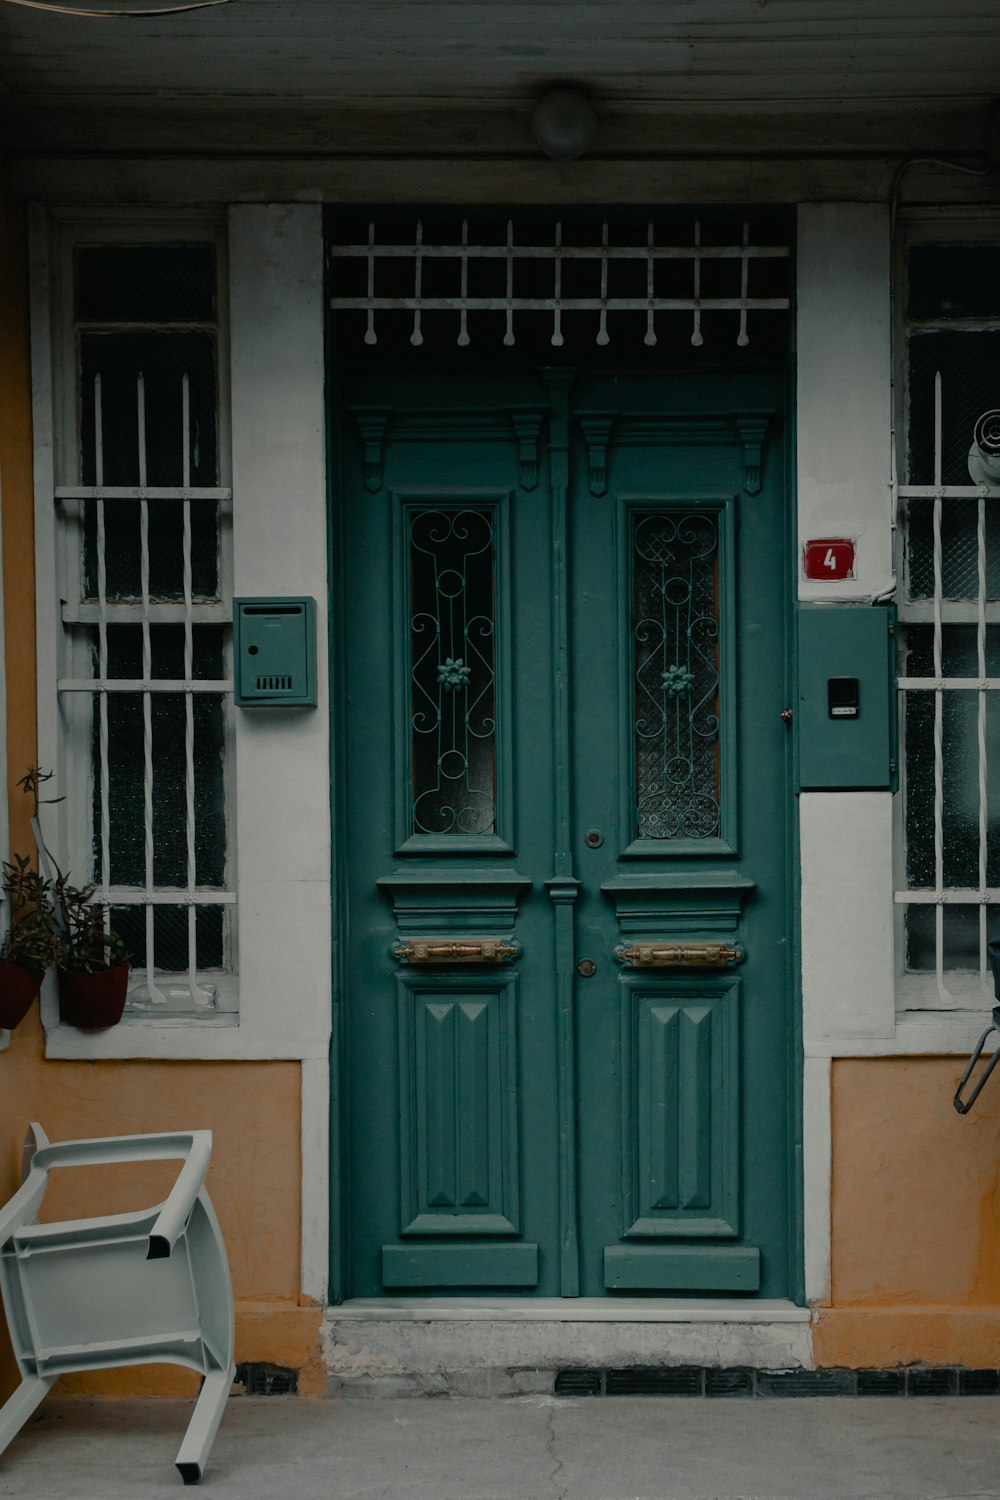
846, 714
274, 642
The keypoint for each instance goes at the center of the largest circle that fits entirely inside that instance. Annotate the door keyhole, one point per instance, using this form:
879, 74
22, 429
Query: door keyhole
586, 968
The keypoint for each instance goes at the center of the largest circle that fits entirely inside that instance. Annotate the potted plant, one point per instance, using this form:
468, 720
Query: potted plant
92, 964
32, 942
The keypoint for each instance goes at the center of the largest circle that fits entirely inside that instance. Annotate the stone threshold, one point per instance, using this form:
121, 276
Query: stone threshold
566, 1310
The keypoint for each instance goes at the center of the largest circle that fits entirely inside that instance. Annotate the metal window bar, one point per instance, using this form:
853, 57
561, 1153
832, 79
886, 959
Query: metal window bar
150, 612
940, 612
558, 253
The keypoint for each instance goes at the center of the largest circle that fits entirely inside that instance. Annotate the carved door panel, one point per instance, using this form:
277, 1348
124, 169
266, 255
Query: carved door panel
566, 780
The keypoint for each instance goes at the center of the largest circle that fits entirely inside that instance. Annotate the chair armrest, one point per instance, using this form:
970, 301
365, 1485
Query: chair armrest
174, 1214
193, 1146
23, 1207
34, 1140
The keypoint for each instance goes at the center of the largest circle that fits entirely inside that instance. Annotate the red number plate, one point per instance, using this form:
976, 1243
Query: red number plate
828, 557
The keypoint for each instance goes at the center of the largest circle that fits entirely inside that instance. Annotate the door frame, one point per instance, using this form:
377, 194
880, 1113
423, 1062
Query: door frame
339, 1208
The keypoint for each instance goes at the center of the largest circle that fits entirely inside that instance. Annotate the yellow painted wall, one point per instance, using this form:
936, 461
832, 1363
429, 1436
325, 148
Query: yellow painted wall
253, 1109
916, 1218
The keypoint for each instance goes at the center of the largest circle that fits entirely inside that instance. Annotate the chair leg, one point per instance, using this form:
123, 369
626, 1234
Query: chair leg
204, 1424
18, 1408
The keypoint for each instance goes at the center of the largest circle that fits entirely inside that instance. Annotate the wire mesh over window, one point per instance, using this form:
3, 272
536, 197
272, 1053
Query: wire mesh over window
950, 616
575, 281
148, 615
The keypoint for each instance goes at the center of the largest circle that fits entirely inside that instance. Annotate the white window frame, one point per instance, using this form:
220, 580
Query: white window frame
945, 991
279, 824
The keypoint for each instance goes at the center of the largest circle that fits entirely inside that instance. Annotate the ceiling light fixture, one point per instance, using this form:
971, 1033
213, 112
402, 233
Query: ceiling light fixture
563, 123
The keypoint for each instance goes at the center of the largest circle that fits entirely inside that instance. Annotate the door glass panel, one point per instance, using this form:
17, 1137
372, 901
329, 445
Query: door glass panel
675, 635
452, 567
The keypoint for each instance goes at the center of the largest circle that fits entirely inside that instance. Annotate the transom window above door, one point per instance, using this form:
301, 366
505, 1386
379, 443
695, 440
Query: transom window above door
572, 281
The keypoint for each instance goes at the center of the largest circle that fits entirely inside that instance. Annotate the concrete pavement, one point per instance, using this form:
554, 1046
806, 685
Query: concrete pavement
526, 1448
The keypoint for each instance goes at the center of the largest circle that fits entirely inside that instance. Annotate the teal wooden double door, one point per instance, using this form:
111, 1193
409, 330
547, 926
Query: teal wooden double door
567, 920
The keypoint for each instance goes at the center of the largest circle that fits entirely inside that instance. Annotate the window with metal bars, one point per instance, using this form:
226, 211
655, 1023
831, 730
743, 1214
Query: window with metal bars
145, 687
948, 881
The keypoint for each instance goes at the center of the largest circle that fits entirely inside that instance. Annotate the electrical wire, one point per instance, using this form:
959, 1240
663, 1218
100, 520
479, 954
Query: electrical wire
114, 15
926, 161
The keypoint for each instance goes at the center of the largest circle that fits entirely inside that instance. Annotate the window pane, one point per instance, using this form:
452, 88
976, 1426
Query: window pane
675, 631
960, 937
453, 671
959, 652
162, 358
960, 787
954, 281
126, 762
145, 283
170, 936
968, 362
959, 549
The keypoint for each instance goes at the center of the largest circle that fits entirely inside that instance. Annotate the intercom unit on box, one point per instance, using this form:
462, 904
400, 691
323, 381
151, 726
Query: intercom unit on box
846, 713
274, 643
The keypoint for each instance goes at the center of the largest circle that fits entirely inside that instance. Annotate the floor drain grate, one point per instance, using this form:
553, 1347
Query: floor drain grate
267, 1380
678, 1380
697, 1380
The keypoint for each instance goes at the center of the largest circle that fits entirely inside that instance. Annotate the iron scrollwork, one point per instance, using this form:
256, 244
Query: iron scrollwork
676, 666
453, 671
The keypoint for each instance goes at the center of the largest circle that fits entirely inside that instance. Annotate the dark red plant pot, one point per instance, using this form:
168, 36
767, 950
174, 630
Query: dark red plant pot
93, 1001
18, 987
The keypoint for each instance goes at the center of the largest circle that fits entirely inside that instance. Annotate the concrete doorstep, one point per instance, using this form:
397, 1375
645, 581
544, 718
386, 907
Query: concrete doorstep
520, 1448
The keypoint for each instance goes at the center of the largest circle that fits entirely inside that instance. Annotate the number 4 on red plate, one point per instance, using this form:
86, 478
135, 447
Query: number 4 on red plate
828, 558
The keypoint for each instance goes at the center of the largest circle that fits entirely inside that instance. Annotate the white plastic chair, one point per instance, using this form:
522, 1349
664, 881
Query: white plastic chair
126, 1289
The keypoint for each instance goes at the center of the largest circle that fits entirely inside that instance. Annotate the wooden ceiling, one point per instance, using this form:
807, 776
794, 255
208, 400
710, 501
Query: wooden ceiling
250, 63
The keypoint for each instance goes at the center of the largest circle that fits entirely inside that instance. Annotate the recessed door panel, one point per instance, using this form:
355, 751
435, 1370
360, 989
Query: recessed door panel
460, 1156
680, 1107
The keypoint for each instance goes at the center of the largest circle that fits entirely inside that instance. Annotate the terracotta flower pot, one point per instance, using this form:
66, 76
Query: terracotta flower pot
18, 987
93, 1001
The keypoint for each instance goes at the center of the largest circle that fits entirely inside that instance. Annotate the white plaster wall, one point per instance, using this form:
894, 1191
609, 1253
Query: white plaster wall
845, 390
280, 547
847, 929
844, 436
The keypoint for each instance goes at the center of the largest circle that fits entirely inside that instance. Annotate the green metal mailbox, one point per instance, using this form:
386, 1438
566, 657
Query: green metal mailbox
846, 715
275, 651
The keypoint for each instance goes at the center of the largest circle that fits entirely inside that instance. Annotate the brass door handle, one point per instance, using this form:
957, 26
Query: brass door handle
679, 955
491, 950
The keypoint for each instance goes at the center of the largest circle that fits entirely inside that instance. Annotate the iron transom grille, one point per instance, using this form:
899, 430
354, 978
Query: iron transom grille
693, 268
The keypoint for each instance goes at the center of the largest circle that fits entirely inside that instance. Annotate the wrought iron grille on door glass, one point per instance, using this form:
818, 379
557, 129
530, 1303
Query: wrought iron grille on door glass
452, 573
576, 280
950, 618
676, 674
147, 620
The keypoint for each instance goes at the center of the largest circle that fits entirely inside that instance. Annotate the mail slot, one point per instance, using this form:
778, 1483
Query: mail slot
275, 649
